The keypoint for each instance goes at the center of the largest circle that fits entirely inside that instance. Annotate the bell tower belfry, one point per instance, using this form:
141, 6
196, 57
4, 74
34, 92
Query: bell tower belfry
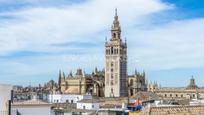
115, 63
115, 29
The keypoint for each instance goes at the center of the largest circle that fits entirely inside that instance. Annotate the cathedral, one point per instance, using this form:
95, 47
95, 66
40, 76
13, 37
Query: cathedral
136, 83
113, 81
82, 83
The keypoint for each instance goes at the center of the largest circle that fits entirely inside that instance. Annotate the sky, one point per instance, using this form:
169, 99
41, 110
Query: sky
40, 37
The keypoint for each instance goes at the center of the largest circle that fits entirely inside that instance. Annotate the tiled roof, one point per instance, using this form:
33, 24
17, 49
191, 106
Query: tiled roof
145, 95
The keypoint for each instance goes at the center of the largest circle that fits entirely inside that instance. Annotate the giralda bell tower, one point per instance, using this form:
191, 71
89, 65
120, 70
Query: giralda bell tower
115, 63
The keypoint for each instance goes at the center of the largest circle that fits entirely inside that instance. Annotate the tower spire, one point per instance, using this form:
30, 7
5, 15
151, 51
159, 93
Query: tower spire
115, 30
116, 13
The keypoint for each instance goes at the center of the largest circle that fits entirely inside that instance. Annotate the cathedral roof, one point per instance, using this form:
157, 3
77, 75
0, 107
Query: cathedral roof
72, 90
145, 95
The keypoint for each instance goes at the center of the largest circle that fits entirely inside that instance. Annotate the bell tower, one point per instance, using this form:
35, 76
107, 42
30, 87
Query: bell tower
115, 62
115, 29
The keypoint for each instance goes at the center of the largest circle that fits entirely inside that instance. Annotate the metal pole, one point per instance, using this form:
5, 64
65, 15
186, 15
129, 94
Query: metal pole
9, 107
9, 103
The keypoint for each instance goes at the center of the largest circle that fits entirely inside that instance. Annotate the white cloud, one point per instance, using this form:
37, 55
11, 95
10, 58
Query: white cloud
177, 44
38, 27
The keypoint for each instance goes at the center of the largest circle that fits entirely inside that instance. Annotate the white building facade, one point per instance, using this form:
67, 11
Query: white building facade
88, 105
66, 98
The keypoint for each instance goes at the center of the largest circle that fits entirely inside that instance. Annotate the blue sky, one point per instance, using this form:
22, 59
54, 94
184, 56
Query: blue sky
39, 37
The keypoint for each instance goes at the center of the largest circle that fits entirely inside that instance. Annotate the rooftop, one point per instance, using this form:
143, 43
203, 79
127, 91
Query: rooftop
31, 103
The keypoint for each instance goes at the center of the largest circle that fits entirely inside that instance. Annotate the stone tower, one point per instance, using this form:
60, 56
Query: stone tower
61, 81
115, 63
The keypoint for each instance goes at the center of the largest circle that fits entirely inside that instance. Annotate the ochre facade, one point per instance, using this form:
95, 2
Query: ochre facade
192, 91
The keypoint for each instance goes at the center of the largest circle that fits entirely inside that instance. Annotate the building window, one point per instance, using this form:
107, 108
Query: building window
111, 82
111, 90
114, 35
111, 76
111, 50
181, 95
176, 95
111, 69
165, 95
92, 106
131, 92
67, 101
131, 82
72, 101
170, 95
84, 107
111, 64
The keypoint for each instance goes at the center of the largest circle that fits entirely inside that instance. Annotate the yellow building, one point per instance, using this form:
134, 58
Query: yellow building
192, 91
81, 83
136, 83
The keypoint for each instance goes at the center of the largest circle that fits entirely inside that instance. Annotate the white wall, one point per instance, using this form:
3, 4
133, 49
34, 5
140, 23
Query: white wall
54, 98
64, 98
89, 106
5, 95
33, 110
71, 98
